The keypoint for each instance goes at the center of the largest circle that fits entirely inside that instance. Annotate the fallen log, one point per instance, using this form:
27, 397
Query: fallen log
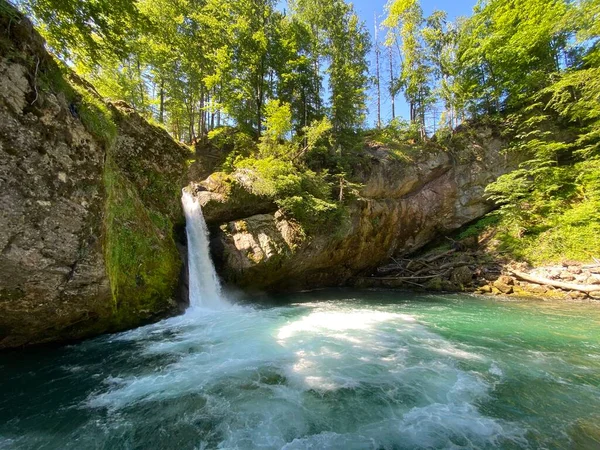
425, 277
453, 265
441, 255
587, 288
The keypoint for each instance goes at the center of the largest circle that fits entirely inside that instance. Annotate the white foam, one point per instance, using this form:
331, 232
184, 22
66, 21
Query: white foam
271, 377
204, 286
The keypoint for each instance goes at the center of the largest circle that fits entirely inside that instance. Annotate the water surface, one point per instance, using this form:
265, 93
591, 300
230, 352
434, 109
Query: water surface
329, 370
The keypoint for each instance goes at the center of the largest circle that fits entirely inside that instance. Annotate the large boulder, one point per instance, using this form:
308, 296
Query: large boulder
89, 198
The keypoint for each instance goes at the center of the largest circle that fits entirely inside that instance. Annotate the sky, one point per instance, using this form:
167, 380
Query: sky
367, 10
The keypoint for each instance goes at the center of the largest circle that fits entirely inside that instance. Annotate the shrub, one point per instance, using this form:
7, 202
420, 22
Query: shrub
299, 192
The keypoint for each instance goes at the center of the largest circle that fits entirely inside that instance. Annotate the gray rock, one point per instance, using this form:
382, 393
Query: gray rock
462, 275
567, 276
54, 282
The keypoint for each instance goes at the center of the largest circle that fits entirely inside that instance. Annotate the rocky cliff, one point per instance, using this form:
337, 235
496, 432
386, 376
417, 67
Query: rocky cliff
403, 203
89, 199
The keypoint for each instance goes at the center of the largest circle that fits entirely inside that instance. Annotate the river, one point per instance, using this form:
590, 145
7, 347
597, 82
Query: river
333, 369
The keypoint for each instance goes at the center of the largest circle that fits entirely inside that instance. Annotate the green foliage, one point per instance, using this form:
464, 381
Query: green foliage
317, 133
548, 226
278, 120
396, 134
277, 178
338, 39
6, 10
573, 235
154, 54
406, 16
91, 28
312, 212
534, 67
480, 226
229, 139
278, 123
301, 193
96, 116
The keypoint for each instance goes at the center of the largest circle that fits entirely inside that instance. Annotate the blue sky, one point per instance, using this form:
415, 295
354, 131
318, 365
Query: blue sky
367, 9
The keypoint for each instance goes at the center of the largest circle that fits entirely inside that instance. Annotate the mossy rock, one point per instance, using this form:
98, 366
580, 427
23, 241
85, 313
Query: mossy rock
142, 260
224, 198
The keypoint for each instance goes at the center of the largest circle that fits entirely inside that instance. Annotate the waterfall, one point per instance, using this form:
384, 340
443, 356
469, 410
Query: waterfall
204, 286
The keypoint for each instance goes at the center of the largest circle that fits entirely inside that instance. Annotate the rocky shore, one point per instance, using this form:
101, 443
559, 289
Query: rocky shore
462, 269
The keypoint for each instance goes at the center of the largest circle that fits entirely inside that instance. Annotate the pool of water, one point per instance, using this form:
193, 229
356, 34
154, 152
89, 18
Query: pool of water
337, 369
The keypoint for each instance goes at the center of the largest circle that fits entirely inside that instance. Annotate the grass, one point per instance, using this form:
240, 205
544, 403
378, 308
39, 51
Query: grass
573, 234
567, 237
96, 117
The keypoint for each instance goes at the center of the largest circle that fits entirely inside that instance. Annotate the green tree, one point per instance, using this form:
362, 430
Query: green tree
405, 21
507, 51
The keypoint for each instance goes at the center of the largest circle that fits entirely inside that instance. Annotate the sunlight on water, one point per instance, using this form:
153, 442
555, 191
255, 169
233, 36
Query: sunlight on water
389, 371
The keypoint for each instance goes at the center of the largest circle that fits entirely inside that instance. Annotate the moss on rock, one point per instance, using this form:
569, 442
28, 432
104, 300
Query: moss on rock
141, 257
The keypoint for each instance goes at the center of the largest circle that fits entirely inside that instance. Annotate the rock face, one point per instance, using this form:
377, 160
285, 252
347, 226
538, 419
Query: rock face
401, 207
83, 186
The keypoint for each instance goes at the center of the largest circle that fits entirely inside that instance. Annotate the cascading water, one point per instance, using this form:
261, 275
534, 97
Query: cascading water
204, 286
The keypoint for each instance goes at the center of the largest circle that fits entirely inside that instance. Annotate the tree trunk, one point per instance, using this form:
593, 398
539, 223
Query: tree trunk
161, 112
142, 99
212, 111
559, 284
305, 116
392, 84
201, 118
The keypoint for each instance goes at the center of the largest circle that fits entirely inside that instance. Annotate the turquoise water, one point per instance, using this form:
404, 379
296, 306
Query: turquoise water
327, 370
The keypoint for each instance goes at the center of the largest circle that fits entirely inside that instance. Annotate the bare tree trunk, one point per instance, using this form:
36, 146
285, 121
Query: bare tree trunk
559, 284
212, 111
305, 116
201, 118
392, 84
161, 112
141, 80
192, 117
219, 113
377, 74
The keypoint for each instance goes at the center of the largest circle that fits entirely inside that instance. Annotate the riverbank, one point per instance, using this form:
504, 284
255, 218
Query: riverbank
466, 268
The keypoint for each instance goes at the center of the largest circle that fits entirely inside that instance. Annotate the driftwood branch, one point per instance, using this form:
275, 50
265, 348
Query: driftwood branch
559, 284
441, 255
453, 265
424, 277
